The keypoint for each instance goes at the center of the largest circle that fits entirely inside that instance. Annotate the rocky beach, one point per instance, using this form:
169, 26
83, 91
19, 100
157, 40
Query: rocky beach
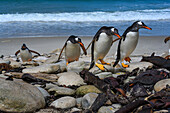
44, 85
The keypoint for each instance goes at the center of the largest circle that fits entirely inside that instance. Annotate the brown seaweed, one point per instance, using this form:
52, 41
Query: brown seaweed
157, 61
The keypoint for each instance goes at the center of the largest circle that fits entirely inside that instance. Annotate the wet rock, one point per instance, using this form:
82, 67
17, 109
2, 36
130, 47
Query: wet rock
76, 66
107, 109
161, 84
46, 68
19, 97
104, 75
64, 102
88, 100
141, 65
82, 90
69, 79
15, 64
61, 91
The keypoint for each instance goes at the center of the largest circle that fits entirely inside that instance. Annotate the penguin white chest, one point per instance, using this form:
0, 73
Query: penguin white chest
25, 55
102, 46
129, 44
72, 51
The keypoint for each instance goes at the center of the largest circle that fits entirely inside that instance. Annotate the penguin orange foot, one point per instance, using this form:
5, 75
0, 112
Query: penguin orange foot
128, 59
124, 65
103, 62
100, 66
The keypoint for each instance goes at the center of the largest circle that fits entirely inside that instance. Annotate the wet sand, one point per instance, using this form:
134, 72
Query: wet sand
146, 45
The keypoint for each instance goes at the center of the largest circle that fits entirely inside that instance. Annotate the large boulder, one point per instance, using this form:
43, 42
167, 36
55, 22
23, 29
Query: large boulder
19, 97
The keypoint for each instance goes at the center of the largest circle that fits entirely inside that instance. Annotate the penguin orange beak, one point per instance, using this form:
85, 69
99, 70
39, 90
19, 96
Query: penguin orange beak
147, 27
117, 35
82, 46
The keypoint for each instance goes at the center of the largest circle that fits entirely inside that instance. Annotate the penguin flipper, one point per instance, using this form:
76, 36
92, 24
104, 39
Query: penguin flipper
17, 52
35, 52
61, 52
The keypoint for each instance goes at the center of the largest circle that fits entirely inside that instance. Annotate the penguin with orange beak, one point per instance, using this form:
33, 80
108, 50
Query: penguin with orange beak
25, 53
72, 49
128, 43
101, 45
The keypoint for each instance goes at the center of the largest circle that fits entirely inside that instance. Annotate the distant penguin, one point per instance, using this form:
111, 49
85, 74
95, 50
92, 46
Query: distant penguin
128, 42
25, 53
101, 45
72, 49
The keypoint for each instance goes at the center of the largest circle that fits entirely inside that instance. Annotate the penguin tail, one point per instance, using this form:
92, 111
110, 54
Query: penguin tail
91, 65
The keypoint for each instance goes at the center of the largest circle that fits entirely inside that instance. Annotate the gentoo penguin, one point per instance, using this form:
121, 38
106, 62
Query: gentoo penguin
101, 45
128, 42
25, 53
72, 49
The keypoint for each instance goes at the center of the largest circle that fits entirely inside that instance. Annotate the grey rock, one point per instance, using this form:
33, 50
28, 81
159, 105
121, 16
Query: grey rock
79, 101
19, 97
88, 100
61, 91
64, 102
76, 66
52, 59
129, 79
75, 110
45, 68
40, 59
69, 79
6, 60
44, 92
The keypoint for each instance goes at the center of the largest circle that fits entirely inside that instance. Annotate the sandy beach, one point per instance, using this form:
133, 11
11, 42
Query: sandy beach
146, 45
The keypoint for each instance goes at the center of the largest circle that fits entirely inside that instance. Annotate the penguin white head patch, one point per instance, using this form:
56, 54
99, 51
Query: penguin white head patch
140, 23
77, 39
113, 29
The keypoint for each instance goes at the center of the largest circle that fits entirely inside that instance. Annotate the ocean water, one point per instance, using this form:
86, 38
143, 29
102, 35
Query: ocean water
36, 18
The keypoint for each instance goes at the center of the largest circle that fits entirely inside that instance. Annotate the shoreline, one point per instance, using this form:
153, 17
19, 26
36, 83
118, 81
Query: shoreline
146, 44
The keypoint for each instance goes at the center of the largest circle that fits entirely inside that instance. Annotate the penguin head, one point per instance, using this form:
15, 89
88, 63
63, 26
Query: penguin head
23, 47
76, 40
114, 31
139, 24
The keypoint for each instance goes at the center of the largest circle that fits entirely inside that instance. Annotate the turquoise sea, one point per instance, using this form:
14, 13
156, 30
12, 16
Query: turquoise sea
36, 18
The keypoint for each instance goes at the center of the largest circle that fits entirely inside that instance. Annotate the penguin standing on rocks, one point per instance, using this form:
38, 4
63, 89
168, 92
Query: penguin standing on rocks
128, 42
25, 53
72, 49
101, 45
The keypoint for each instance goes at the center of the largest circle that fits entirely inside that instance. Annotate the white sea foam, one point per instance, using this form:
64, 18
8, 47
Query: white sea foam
163, 14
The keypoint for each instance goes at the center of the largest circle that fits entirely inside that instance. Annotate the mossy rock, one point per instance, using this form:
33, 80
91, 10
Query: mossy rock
82, 90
